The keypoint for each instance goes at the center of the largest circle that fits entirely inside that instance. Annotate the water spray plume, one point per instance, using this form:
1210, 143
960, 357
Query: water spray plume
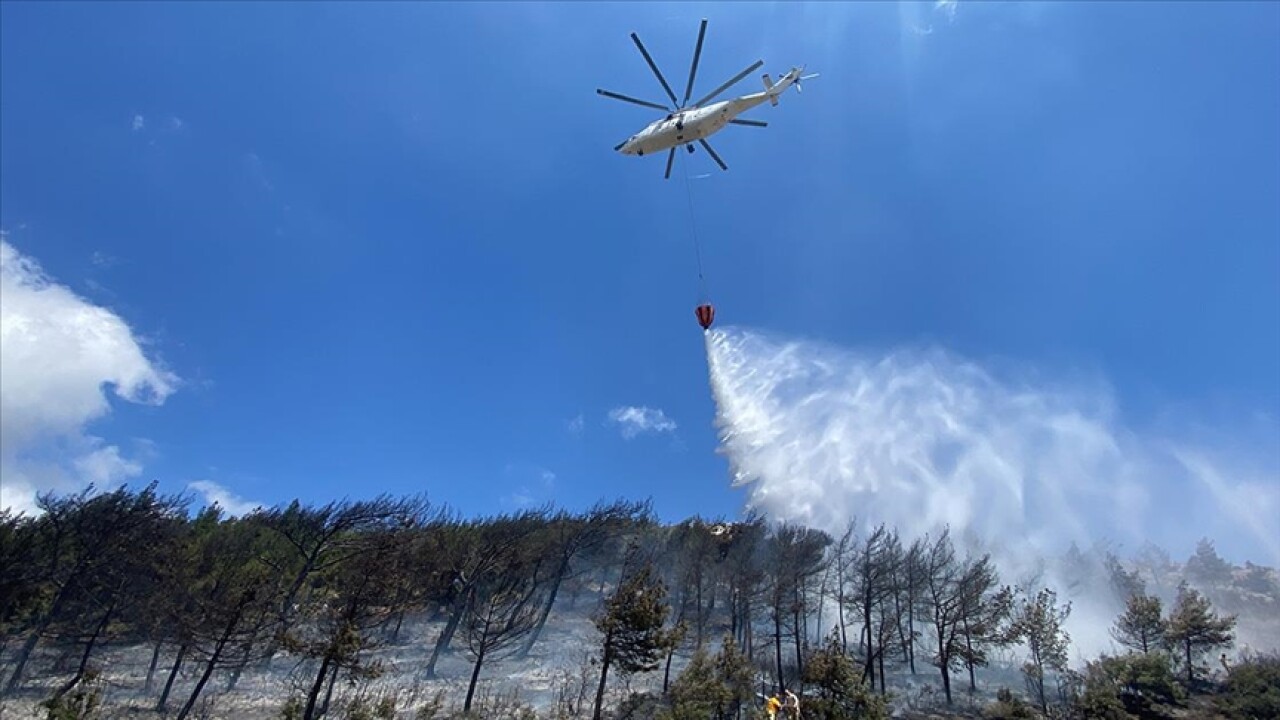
921, 439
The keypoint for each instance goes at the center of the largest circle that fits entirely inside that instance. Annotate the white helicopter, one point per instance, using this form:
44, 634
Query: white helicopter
686, 123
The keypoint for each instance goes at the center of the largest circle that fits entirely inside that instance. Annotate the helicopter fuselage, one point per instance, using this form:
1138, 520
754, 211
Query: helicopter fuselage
688, 126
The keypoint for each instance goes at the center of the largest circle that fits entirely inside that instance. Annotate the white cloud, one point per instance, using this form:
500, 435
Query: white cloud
634, 421
175, 123
577, 425
522, 498
58, 352
103, 260
533, 483
232, 505
139, 122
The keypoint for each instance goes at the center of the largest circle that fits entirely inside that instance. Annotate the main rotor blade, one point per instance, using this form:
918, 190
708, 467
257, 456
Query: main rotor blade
713, 154
697, 53
629, 99
752, 123
671, 156
726, 86
655, 70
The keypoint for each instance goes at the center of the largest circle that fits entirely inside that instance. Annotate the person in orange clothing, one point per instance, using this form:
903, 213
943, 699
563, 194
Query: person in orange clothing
772, 705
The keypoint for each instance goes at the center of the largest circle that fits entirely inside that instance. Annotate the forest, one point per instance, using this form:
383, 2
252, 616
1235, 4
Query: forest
130, 603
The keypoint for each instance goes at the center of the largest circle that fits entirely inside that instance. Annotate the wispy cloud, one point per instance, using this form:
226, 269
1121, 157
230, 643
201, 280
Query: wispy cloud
633, 421
231, 504
919, 20
165, 124
535, 484
58, 354
577, 425
103, 260
257, 171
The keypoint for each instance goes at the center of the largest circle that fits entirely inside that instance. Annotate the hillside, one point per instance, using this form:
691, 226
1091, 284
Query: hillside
322, 611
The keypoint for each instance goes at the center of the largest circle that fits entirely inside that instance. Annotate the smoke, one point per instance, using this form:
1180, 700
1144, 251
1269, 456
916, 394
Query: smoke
1023, 467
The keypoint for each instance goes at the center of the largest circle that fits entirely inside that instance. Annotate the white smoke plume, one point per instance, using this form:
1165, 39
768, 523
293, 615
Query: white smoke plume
919, 439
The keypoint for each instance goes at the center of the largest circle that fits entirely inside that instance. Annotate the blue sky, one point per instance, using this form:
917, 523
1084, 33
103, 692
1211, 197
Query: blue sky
388, 248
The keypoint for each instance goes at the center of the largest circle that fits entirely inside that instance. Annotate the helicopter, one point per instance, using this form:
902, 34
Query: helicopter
684, 123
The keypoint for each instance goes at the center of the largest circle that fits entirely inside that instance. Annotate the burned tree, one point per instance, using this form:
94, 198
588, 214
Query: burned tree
474, 550
569, 537
500, 616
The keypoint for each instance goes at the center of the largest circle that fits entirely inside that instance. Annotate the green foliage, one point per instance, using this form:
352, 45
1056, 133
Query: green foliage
1252, 689
841, 694
711, 686
292, 709
80, 703
1137, 684
362, 709
633, 622
1206, 566
1009, 707
1194, 628
1038, 623
1141, 627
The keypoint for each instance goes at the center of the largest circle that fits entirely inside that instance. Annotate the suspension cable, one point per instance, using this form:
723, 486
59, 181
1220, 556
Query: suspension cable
693, 227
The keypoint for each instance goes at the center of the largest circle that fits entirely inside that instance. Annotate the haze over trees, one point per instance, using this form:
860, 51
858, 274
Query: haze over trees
704, 614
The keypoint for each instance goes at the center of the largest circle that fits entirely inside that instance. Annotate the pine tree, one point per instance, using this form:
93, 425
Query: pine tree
1195, 629
1141, 626
1206, 567
712, 686
838, 684
1038, 623
632, 624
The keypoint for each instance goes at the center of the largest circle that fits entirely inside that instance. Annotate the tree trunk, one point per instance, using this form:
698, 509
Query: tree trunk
844, 638
204, 679
944, 660
697, 618
796, 620
777, 645
1191, 676
446, 636
15, 680
173, 675
968, 646
239, 668
310, 712
328, 691
880, 653
151, 671
870, 669
475, 675
217, 654
395, 634
88, 649
666, 673
604, 673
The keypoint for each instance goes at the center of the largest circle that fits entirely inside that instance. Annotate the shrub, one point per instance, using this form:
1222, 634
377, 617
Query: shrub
1252, 690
